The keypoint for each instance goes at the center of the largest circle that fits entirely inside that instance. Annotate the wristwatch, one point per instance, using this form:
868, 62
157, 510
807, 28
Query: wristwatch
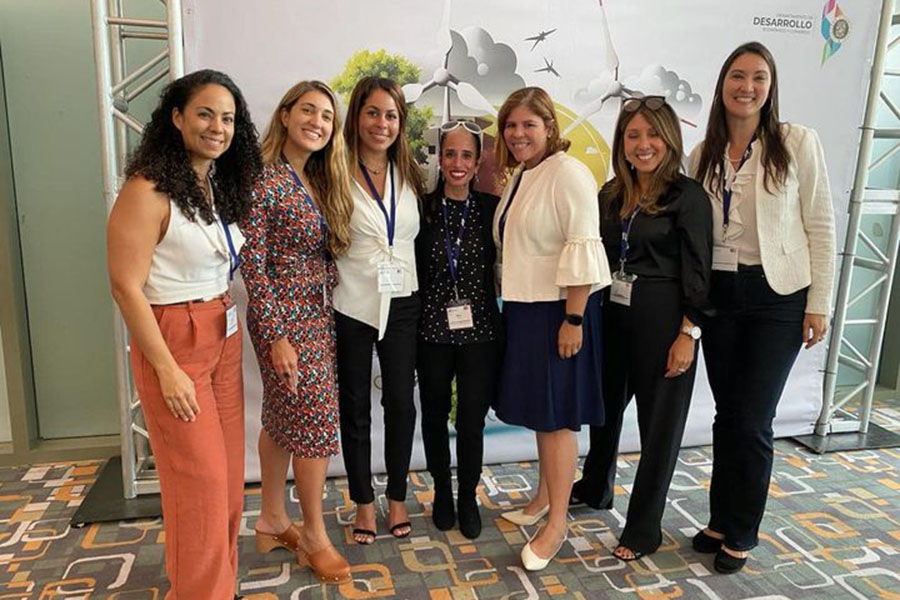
573, 319
693, 332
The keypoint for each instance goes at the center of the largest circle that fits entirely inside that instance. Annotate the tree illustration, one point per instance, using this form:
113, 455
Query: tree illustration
394, 66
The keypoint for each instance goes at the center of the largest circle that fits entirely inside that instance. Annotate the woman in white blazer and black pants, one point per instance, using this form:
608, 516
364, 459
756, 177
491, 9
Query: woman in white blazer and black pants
773, 273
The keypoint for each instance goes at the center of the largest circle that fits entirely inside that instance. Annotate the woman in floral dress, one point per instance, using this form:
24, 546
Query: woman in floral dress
299, 219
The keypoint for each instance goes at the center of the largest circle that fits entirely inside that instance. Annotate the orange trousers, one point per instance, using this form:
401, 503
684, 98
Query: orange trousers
200, 464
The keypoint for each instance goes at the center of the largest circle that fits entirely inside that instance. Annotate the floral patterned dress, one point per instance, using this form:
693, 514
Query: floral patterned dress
289, 278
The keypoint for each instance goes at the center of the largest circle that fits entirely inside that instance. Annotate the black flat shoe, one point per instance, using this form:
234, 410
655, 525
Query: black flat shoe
469, 517
727, 564
705, 544
442, 513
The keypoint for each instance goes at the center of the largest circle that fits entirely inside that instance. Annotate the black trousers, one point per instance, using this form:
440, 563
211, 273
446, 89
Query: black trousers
636, 342
750, 347
476, 368
397, 358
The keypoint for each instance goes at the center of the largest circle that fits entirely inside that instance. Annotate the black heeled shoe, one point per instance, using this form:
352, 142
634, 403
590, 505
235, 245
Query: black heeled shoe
469, 517
442, 513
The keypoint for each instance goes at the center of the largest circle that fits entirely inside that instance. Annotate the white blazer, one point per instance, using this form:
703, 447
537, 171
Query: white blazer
795, 223
552, 236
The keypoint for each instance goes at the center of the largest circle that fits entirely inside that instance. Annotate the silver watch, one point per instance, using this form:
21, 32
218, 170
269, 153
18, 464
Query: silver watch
692, 332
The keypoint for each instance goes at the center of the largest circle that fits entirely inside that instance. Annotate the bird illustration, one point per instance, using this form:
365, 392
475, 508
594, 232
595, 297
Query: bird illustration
537, 39
548, 68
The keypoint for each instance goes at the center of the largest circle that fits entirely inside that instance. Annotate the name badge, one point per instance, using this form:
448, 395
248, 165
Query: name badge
390, 277
725, 258
620, 292
459, 315
231, 320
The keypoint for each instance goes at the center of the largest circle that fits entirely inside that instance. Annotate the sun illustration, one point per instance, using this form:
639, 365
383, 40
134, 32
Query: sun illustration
588, 145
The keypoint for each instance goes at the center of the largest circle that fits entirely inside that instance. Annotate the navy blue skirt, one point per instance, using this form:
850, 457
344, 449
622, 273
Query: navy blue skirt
538, 389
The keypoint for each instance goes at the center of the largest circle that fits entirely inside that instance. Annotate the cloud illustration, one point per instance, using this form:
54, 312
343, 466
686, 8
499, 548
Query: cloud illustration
488, 65
656, 80
595, 88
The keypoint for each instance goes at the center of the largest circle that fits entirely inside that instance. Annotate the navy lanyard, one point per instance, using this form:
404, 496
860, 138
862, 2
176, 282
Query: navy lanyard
323, 225
626, 231
234, 260
453, 250
501, 225
726, 190
390, 221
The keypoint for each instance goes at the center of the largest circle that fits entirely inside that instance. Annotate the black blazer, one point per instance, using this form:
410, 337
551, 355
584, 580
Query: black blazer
430, 231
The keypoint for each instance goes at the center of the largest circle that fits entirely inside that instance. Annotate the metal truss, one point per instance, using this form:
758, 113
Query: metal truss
118, 86
867, 267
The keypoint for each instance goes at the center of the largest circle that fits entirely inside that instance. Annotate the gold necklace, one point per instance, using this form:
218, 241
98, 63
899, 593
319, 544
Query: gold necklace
377, 171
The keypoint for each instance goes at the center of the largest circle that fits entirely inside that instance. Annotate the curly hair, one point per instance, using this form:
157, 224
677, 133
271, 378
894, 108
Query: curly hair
326, 168
162, 157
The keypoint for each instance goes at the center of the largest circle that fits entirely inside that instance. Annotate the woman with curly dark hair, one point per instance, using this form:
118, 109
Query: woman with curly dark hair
172, 248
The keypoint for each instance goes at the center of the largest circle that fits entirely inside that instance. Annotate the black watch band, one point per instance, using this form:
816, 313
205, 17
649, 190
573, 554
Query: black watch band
575, 320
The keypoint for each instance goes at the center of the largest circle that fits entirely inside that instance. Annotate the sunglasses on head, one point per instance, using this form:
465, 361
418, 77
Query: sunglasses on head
651, 102
469, 126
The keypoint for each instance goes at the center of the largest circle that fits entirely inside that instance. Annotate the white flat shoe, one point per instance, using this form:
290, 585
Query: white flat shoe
520, 518
533, 562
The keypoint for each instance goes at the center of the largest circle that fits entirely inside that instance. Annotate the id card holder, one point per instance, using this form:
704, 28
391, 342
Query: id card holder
725, 258
620, 292
459, 315
390, 277
231, 319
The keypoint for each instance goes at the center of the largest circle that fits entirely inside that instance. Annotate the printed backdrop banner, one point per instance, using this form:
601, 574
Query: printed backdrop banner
460, 58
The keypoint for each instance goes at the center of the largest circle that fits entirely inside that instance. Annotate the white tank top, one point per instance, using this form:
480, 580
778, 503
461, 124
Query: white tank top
191, 261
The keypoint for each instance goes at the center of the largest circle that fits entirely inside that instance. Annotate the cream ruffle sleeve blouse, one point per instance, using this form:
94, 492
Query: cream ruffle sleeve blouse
552, 233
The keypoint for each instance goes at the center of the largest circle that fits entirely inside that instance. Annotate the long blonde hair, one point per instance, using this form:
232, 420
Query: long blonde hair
326, 169
538, 101
399, 152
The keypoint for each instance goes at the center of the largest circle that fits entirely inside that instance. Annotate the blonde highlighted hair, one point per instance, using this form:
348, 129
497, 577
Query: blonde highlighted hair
539, 102
665, 122
326, 169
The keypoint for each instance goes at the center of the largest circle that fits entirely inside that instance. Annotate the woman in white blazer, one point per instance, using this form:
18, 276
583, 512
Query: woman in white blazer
552, 263
773, 273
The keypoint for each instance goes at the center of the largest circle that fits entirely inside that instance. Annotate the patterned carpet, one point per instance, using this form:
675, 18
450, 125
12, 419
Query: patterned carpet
832, 530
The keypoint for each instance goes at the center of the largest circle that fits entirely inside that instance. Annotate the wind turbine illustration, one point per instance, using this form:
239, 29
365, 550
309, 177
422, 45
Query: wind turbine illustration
615, 89
442, 77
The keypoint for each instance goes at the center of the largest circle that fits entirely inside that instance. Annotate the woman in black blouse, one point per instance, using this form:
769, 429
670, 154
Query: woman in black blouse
656, 226
459, 330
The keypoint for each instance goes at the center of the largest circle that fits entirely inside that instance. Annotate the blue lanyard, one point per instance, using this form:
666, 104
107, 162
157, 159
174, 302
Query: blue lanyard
323, 225
626, 231
726, 191
501, 225
389, 221
234, 260
453, 250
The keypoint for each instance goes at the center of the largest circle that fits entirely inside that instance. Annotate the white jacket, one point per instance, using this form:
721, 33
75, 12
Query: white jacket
552, 235
795, 223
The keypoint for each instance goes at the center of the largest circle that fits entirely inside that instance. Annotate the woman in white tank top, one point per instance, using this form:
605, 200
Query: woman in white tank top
172, 247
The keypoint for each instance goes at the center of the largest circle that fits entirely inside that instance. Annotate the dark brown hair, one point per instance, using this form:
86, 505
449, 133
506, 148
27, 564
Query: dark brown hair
399, 152
775, 159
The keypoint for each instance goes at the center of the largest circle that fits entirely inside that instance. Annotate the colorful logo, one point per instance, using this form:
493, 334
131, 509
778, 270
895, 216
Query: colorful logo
835, 28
